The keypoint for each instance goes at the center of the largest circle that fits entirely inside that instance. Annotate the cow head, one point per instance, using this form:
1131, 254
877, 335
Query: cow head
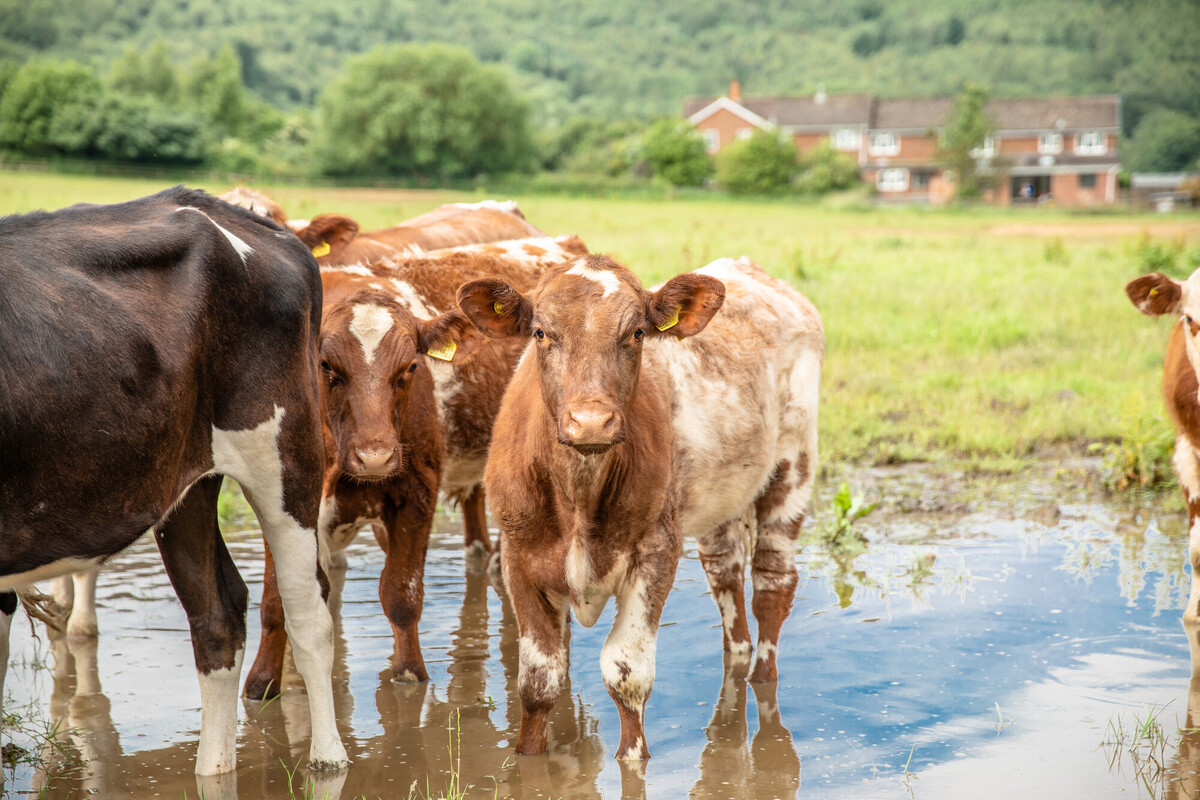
327, 234
1156, 294
373, 351
588, 319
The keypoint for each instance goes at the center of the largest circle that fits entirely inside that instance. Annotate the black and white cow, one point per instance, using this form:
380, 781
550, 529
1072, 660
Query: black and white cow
150, 348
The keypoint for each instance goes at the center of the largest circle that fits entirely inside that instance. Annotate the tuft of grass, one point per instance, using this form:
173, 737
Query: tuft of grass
837, 532
1144, 743
909, 777
1140, 461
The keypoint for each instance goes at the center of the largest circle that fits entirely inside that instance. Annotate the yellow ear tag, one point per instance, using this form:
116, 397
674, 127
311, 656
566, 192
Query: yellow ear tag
321, 250
671, 323
1154, 291
445, 352
498, 308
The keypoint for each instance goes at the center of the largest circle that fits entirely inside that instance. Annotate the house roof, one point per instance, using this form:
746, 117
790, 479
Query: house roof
790, 112
1098, 112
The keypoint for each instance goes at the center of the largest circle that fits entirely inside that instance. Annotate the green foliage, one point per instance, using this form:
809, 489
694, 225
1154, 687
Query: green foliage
424, 111
963, 132
837, 531
40, 105
676, 152
762, 163
1165, 141
1141, 459
824, 169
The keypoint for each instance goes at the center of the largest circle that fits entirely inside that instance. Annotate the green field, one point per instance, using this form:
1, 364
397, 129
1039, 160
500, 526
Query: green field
981, 334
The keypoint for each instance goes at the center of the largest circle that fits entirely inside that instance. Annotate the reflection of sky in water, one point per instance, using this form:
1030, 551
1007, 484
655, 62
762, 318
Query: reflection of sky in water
1061, 627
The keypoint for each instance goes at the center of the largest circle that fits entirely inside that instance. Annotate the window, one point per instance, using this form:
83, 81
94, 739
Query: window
885, 144
1087, 180
1090, 143
1050, 143
846, 139
920, 180
712, 140
985, 150
744, 133
892, 180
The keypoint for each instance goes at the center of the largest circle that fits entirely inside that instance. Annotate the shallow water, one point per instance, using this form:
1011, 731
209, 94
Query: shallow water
983, 644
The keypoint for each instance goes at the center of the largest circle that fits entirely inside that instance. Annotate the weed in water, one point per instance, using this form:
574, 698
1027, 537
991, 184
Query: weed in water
1145, 744
908, 776
837, 532
1002, 721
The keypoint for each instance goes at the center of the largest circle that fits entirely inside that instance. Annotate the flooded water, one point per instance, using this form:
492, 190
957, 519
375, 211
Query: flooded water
986, 642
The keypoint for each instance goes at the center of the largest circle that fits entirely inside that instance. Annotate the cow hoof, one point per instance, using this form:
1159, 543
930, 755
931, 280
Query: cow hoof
259, 689
764, 673
409, 675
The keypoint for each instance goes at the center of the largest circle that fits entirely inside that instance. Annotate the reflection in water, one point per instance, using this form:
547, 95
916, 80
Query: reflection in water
1184, 771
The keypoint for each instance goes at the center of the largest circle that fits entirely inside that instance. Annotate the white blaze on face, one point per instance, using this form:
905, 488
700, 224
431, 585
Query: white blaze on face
604, 277
369, 324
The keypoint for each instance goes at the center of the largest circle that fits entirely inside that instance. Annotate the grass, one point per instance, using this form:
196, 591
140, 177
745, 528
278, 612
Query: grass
1144, 743
979, 334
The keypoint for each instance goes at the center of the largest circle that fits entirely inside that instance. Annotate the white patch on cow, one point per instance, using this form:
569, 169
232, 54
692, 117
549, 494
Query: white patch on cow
462, 474
350, 269
344, 534
634, 753
766, 651
1187, 468
62, 566
507, 206
475, 550
775, 541
217, 752
241, 247
551, 666
604, 277
82, 623
369, 323
376, 286
406, 295
627, 660
727, 603
408, 676
5, 627
251, 457
579, 566
298, 224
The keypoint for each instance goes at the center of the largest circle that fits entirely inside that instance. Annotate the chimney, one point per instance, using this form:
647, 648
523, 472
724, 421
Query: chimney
819, 97
735, 90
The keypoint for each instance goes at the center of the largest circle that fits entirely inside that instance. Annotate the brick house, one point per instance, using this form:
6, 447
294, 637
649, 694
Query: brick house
1064, 148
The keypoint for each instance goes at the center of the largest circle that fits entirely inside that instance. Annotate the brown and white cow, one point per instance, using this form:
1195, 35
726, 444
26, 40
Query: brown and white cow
409, 394
151, 348
1156, 294
637, 417
336, 239
256, 201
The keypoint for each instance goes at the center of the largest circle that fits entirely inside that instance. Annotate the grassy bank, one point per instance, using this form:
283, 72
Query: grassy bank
981, 333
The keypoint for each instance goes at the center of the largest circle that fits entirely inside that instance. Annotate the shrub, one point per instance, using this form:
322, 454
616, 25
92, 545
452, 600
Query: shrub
677, 153
761, 164
825, 170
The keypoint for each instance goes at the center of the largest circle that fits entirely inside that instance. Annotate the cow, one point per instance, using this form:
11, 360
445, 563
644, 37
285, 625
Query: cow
335, 239
150, 348
256, 201
634, 418
1156, 294
408, 395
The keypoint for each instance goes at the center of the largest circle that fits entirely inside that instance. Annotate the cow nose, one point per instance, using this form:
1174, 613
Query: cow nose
591, 427
375, 463
589, 420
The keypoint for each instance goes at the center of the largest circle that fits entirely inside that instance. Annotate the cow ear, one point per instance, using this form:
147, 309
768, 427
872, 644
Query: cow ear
327, 232
1155, 294
450, 337
495, 308
685, 304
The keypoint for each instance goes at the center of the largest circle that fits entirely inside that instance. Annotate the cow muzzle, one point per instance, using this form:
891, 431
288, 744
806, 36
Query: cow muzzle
591, 427
374, 463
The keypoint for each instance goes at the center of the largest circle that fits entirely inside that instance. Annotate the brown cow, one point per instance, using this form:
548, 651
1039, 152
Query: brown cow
1156, 294
614, 440
335, 239
400, 426
255, 201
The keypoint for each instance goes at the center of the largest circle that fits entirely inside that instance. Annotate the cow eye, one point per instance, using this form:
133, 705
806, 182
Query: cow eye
412, 367
539, 333
638, 334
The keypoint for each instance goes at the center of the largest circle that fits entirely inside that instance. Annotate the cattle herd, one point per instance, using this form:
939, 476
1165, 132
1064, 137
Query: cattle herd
349, 379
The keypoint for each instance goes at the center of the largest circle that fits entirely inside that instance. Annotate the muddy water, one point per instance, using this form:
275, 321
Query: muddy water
982, 642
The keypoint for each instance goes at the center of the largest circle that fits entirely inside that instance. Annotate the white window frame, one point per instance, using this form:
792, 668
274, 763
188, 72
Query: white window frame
744, 133
847, 140
712, 140
1050, 143
885, 144
986, 150
1090, 143
892, 179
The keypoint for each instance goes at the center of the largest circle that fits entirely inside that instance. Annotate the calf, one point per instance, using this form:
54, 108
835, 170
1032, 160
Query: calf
152, 347
399, 427
1154, 295
615, 439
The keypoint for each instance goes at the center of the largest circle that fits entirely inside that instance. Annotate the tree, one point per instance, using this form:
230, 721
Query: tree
1165, 141
676, 152
153, 75
964, 131
763, 163
37, 94
422, 110
824, 169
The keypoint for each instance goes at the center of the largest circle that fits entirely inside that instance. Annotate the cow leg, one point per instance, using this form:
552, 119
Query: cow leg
475, 533
780, 513
1187, 467
402, 588
542, 622
8, 607
82, 622
266, 674
627, 660
723, 554
215, 599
